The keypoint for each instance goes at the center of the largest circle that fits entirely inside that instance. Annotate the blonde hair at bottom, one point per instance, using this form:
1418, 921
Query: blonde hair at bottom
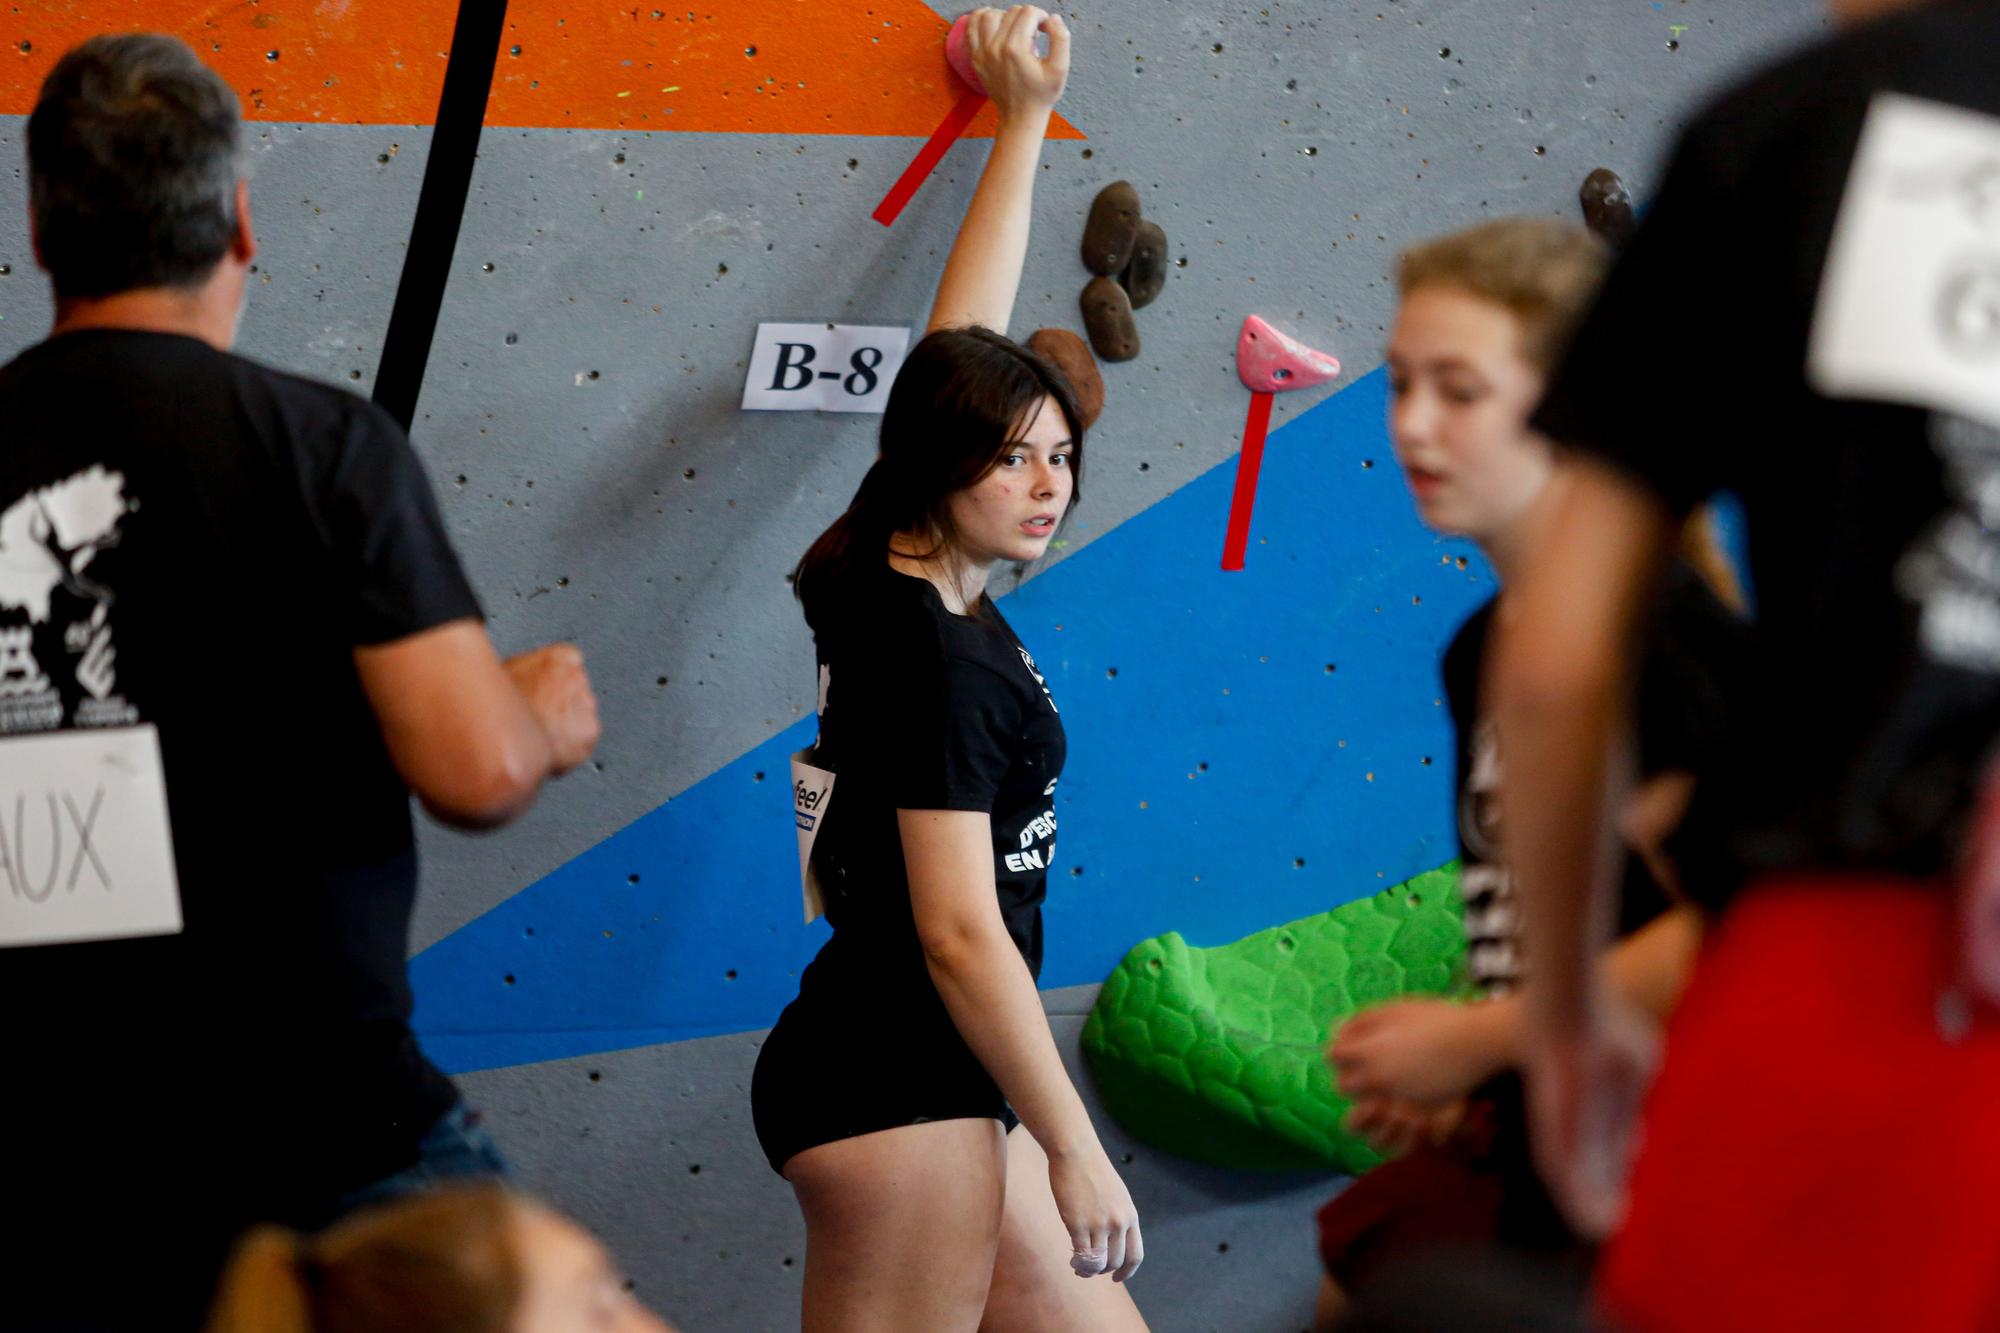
442, 1260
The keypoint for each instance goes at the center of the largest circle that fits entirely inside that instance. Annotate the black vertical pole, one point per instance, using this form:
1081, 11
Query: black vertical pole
468, 79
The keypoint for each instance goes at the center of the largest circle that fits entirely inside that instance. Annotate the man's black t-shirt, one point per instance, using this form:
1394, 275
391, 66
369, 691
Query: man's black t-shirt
194, 543
1874, 698
1695, 654
928, 710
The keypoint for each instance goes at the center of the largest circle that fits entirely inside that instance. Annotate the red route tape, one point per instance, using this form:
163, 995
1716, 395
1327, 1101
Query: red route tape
928, 157
1255, 427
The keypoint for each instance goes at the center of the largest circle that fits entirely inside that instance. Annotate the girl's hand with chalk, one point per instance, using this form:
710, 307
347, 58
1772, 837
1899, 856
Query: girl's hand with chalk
1002, 45
1097, 1210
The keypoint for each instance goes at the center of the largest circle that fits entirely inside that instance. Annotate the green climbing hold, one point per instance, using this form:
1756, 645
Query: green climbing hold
1215, 1054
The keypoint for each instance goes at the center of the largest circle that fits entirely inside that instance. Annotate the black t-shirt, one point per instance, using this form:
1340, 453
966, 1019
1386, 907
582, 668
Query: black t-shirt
1858, 742
928, 710
1696, 651
192, 542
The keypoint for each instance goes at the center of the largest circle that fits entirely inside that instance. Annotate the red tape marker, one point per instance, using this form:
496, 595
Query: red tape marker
1255, 427
928, 157
1269, 363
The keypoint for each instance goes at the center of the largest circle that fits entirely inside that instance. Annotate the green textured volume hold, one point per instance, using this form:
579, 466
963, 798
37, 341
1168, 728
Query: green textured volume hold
1216, 1054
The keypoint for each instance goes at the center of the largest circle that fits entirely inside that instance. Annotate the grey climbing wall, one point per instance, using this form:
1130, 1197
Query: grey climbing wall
580, 422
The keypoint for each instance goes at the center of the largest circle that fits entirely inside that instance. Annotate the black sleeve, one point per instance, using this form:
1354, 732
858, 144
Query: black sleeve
1698, 653
1662, 353
959, 727
395, 569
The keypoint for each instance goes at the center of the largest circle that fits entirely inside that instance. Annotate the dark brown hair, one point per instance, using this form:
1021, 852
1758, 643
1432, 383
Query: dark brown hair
962, 398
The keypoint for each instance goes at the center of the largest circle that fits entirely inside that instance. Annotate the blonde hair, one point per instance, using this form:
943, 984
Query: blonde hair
1545, 273
444, 1260
1541, 271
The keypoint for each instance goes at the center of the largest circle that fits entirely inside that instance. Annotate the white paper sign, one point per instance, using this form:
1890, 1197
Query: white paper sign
1909, 305
812, 792
823, 367
86, 852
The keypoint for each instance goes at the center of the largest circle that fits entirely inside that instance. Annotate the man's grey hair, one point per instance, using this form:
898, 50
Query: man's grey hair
134, 151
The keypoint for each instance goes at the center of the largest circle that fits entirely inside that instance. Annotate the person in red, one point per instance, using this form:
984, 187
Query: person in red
1809, 316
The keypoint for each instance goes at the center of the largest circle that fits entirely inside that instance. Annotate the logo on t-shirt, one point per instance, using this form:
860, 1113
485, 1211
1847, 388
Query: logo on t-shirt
1953, 569
48, 541
1029, 663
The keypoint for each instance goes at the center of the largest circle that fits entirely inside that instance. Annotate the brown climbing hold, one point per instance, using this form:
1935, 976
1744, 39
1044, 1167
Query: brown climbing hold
1147, 273
1112, 228
1107, 315
1607, 207
1071, 355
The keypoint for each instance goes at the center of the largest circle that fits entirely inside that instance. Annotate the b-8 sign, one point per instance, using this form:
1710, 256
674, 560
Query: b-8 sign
823, 367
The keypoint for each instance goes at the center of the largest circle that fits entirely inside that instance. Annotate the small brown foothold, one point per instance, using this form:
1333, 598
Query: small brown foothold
1147, 273
1107, 315
1112, 229
1071, 355
1607, 207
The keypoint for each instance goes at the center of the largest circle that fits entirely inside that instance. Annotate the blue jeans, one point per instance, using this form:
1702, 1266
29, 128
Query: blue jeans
455, 1149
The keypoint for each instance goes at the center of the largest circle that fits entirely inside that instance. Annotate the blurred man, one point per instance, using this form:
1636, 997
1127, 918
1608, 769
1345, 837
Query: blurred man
1809, 316
233, 639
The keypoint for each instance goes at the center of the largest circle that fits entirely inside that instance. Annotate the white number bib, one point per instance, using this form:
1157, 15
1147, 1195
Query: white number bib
86, 852
1909, 305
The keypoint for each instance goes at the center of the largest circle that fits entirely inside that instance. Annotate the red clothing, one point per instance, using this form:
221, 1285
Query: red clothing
1815, 1154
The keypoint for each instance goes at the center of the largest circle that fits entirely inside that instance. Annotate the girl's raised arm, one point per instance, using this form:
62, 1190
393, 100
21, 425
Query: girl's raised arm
983, 273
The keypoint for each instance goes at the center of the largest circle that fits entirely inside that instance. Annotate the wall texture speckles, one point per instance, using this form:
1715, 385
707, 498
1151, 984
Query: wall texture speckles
742, 66
580, 422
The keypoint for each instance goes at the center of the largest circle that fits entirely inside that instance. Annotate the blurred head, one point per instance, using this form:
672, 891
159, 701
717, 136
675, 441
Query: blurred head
134, 169
982, 458
1484, 315
467, 1260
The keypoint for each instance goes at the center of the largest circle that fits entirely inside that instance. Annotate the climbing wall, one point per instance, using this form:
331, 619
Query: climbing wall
653, 183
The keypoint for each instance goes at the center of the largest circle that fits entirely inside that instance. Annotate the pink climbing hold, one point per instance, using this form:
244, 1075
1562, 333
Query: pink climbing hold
1268, 361
958, 54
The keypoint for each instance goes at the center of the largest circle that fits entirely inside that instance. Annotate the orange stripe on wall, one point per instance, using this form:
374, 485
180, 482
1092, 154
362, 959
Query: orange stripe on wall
741, 66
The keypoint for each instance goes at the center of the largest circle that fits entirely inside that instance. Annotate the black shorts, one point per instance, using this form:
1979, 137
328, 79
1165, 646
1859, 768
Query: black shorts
864, 1049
